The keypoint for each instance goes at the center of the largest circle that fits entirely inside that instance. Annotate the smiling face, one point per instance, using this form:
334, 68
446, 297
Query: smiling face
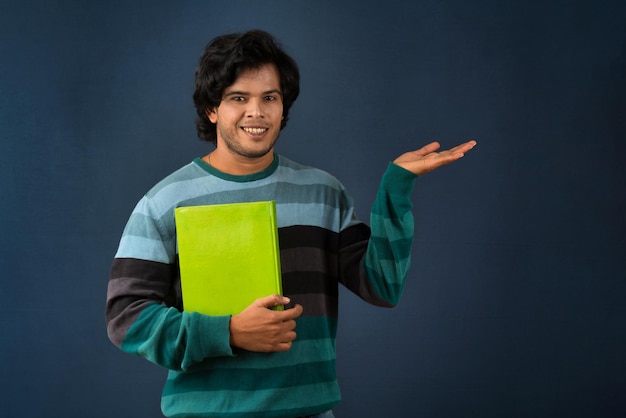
248, 119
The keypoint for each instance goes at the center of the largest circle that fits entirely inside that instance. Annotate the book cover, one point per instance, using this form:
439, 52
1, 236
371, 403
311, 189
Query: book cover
228, 256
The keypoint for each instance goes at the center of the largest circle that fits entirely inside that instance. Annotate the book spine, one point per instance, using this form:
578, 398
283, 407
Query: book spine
274, 226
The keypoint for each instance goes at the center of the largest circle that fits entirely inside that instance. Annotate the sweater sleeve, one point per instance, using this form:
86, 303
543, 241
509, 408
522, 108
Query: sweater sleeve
375, 261
143, 310
387, 260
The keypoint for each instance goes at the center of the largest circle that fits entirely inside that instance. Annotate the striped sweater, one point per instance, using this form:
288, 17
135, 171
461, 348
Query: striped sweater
322, 243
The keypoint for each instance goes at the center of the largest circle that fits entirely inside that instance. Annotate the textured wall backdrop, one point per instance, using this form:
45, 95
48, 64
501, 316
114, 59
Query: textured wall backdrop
515, 304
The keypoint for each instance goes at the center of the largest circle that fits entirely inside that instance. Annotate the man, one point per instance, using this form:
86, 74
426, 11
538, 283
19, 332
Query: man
261, 362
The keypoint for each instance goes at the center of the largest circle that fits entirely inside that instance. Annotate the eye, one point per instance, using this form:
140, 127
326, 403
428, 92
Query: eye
238, 98
270, 98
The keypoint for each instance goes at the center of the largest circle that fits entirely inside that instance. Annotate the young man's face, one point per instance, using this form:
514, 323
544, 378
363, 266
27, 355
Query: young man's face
249, 116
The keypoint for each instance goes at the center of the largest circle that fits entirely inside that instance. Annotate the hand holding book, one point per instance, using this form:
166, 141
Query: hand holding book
261, 329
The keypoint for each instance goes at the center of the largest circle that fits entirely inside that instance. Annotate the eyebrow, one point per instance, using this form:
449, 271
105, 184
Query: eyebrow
245, 93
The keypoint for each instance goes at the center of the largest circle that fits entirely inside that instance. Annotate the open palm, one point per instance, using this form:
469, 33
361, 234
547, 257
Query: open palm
427, 159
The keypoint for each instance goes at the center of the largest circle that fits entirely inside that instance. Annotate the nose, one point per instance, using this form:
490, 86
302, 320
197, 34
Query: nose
254, 108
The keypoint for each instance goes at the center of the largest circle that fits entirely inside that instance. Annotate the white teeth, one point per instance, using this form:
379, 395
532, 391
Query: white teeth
255, 130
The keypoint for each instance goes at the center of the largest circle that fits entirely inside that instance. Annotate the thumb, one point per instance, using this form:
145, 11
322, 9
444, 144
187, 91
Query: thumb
272, 300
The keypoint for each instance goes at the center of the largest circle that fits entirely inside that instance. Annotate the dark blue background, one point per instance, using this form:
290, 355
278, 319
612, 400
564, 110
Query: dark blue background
515, 306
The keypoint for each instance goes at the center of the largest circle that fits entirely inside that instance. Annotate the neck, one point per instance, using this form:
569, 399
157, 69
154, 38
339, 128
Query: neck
236, 164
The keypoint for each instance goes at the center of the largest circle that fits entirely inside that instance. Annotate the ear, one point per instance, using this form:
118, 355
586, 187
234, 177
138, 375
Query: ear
211, 114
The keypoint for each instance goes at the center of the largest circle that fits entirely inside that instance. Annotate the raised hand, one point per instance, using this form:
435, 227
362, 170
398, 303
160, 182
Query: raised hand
426, 159
260, 329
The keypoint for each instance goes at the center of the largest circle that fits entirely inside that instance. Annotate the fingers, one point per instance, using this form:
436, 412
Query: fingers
427, 149
456, 152
286, 336
292, 313
434, 146
275, 300
286, 333
286, 346
283, 334
430, 152
463, 148
427, 158
272, 300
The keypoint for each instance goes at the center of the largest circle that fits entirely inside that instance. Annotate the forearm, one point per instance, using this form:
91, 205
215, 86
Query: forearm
387, 259
177, 340
140, 323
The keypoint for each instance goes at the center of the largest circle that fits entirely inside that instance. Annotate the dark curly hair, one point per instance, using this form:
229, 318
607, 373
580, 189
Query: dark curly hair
225, 58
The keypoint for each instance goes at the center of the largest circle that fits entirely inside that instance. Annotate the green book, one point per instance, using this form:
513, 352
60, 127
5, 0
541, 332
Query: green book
228, 256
